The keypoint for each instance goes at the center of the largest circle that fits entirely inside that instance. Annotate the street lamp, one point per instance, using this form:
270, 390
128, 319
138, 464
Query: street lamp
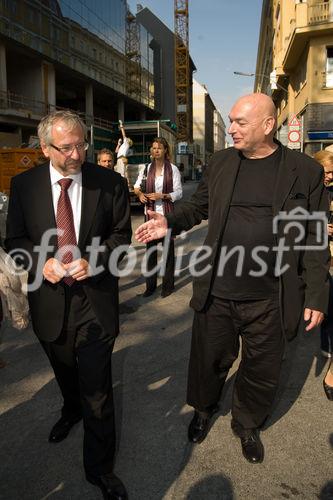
271, 78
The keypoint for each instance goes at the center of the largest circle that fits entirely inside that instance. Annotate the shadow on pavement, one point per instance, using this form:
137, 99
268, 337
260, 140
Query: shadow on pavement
299, 357
214, 487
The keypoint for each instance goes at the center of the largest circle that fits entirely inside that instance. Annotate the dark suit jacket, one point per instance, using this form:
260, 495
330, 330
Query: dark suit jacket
105, 213
299, 185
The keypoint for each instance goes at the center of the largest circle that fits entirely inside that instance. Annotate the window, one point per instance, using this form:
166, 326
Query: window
329, 67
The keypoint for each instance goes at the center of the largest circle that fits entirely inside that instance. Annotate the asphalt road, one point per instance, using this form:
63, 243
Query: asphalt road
154, 458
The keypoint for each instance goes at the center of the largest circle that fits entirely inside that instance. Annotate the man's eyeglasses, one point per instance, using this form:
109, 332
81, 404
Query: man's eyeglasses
68, 150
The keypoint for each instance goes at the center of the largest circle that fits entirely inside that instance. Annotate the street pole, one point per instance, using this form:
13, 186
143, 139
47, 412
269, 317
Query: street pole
241, 73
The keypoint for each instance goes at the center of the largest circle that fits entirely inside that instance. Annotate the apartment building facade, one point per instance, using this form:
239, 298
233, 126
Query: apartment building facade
295, 67
219, 131
208, 125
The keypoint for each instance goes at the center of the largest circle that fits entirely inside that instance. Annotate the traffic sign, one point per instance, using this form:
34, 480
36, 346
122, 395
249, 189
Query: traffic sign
294, 136
294, 122
294, 133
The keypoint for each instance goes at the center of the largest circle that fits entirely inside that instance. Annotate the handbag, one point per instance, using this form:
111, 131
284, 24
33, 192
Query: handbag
143, 185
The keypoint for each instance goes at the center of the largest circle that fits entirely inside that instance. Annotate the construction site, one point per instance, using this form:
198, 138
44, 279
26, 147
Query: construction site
69, 57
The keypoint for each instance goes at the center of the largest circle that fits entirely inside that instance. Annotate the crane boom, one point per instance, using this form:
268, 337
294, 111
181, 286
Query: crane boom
182, 70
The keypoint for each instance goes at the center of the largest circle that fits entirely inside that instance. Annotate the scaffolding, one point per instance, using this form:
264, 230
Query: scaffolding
182, 70
133, 54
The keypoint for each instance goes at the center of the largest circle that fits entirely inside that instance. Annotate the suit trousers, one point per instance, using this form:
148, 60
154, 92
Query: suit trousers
215, 345
81, 360
168, 280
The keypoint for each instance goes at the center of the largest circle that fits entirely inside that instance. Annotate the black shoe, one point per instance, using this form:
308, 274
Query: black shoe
61, 429
252, 447
328, 391
111, 486
166, 293
148, 292
199, 425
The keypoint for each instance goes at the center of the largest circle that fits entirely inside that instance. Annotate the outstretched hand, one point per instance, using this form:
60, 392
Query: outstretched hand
154, 229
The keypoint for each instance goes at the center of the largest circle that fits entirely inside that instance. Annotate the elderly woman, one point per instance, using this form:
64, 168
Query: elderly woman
158, 186
325, 158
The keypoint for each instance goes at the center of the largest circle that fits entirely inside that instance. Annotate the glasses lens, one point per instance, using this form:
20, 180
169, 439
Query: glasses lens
68, 150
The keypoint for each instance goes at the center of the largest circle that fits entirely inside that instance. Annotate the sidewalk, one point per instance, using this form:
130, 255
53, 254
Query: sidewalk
154, 459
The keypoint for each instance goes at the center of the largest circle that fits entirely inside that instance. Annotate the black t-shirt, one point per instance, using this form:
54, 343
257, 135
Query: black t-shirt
245, 269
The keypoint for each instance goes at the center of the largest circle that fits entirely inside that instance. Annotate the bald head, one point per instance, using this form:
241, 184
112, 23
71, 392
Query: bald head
261, 104
252, 125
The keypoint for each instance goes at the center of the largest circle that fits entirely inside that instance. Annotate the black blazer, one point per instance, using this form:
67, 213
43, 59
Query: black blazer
105, 214
299, 185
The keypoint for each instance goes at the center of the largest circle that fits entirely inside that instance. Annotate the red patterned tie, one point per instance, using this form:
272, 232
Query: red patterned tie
65, 222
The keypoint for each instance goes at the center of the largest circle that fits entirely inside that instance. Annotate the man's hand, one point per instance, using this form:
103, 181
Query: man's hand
154, 229
78, 269
53, 270
315, 318
330, 229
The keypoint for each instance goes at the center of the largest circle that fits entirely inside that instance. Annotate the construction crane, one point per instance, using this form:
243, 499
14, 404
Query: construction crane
182, 71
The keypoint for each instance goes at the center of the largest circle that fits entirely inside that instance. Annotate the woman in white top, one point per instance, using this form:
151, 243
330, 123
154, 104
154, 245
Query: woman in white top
158, 186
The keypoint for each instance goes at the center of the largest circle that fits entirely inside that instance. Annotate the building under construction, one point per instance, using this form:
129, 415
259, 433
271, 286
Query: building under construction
96, 61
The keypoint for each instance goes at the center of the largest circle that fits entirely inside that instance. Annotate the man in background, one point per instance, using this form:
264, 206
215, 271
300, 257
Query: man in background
105, 158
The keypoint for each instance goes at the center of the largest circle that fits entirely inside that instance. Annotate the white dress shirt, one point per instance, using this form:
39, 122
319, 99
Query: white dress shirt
74, 193
177, 192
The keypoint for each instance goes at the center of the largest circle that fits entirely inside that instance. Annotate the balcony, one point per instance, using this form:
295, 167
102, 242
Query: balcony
311, 20
320, 13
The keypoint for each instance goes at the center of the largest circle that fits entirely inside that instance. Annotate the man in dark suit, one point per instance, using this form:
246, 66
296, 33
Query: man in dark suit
262, 269
59, 213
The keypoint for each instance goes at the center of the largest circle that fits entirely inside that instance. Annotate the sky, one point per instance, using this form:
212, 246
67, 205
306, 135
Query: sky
223, 39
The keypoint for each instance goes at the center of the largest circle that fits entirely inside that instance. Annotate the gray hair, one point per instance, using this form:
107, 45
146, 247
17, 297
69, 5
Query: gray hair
70, 118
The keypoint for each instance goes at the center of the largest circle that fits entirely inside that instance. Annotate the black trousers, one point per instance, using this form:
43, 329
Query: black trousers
81, 360
215, 346
168, 280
